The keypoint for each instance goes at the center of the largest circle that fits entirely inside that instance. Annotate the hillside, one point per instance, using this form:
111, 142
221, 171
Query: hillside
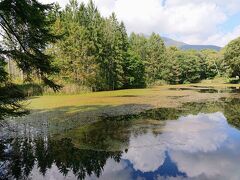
171, 42
185, 46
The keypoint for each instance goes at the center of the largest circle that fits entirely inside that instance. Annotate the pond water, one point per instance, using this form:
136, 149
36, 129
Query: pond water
195, 141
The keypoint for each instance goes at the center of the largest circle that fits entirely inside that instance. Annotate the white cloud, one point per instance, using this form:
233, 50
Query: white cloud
192, 21
202, 146
224, 38
219, 165
201, 133
62, 3
113, 170
147, 157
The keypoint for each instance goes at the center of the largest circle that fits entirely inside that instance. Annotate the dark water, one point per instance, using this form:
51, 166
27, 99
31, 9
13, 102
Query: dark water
204, 89
196, 141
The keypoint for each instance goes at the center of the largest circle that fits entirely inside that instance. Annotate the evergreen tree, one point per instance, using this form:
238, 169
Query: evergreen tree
155, 58
25, 29
134, 71
75, 53
172, 70
114, 53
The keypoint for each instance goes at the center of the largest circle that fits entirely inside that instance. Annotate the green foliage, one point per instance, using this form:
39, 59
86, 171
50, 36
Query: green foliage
26, 33
172, 70
182, 66
155, 58
189, 66
94, 50
134, 71
10, 97
25, 30
151, 53
115, 47
97, 53
31, 89
232, 57
25, 153
74, 53
3, 73
211, 61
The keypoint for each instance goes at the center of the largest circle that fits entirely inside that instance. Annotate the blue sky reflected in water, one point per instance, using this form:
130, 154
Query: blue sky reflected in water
203, 146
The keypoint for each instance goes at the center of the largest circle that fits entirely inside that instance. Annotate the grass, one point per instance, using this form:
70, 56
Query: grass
62, 112
156, 96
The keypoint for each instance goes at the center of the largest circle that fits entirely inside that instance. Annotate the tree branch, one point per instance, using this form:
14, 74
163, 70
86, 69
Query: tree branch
12, 31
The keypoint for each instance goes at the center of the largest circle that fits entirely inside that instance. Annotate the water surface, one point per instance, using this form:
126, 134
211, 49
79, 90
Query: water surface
195, 141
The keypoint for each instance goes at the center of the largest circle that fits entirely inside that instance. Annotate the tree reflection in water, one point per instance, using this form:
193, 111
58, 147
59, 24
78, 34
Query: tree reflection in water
154, 148
18, 157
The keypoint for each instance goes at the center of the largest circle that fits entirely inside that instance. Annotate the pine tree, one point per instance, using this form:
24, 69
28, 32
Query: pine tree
155, 58
26, 29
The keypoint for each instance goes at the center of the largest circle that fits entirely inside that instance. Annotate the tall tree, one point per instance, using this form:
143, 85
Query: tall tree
232, 57
172, 71
79, 54
155, 58
26, 29
134, 71
182, 66
115, 49
189, 63
92, 47
211, 62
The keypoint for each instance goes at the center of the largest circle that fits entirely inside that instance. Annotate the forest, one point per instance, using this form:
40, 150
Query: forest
73, 49
81, 97
93, 46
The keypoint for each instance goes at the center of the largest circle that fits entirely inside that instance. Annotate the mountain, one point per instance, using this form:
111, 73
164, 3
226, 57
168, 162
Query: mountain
185, 46
200, 47
171, 42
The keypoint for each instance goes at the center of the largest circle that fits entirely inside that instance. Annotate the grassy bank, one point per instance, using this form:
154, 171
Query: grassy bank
167, 95
62, 112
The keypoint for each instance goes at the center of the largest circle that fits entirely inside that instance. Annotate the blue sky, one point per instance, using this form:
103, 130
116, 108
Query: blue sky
193, 21
231, 23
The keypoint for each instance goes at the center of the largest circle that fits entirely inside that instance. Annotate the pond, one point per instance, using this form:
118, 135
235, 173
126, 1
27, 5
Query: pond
199, 140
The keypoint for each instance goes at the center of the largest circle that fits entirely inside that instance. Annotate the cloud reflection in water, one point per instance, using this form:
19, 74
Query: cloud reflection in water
201, 146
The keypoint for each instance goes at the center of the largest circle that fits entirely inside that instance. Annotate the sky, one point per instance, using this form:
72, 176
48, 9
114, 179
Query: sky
214, 22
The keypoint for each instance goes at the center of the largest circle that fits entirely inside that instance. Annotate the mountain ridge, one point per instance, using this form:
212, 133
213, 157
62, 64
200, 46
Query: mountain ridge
184, 46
